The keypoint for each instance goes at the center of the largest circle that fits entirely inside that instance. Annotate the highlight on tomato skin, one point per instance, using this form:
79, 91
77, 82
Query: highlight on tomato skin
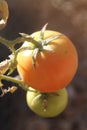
54, 105
56, 65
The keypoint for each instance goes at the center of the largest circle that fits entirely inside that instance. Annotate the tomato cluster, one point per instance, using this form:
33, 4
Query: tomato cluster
48, 69
46, 62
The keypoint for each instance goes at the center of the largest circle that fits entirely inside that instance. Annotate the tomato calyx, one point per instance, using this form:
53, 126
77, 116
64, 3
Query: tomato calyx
41, 44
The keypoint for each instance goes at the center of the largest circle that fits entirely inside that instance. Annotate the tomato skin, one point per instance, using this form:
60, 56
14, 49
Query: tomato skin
55, 67
55, 103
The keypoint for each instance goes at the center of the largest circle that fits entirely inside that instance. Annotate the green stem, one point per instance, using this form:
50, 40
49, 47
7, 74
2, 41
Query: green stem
11, 44
19, 82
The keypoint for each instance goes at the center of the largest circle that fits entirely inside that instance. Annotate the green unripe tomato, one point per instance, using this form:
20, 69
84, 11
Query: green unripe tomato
47, 105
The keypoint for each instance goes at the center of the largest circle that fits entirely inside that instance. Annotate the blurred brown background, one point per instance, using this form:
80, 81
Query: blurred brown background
68, 17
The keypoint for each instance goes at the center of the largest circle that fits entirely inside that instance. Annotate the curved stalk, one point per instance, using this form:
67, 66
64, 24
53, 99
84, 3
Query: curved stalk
22, 84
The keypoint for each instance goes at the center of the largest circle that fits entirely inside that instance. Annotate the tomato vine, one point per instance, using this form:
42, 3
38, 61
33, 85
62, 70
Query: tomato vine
41, 45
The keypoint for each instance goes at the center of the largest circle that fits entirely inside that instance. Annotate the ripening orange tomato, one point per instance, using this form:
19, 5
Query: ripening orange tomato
56, 63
